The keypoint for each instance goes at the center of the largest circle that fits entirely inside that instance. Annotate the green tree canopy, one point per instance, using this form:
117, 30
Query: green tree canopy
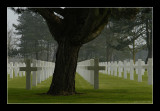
34, 33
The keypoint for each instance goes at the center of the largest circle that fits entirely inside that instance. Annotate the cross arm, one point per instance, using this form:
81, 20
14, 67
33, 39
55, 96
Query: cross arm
33, 68
99, 68
22, 68
102, 68
90, 67
39, 68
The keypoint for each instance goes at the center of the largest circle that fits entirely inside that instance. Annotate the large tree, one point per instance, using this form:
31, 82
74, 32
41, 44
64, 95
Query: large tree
72, 28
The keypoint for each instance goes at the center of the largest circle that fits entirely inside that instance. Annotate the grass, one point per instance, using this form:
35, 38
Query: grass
111, 90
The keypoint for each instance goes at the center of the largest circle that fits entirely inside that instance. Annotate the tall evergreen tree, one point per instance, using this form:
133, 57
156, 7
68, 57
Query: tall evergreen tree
34, 32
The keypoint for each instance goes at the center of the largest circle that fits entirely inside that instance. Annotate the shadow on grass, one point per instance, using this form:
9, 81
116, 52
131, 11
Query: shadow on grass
112, 90
17, 95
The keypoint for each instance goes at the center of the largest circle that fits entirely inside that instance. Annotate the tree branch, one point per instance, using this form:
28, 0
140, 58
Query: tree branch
94, 24
48, 14
54, 22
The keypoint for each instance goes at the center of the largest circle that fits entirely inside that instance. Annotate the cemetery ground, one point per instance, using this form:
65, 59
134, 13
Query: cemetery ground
112, 89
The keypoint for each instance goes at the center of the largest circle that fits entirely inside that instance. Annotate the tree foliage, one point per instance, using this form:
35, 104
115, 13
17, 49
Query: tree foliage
129, 32
34, 33
84, 21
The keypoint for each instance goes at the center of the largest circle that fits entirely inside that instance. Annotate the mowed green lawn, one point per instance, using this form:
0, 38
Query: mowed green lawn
111, 90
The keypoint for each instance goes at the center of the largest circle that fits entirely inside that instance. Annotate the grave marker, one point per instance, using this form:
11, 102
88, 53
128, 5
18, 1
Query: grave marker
11, 69
139, 70
16, 69
28, 70
120, 68
131, 70
125, 69
96, 69
109, 68
34, 79
115, 68
112, 68
39, 76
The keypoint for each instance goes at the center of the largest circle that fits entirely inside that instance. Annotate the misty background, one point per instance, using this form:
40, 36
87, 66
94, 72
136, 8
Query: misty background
106, 47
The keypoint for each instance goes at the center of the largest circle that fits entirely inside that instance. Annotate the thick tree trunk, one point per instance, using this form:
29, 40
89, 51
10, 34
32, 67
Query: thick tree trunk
133, 52
63, 81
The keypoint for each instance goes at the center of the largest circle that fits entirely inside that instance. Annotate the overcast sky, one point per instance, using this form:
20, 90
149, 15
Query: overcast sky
11, 17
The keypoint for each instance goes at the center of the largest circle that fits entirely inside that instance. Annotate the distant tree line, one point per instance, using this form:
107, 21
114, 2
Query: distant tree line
122, 39
35, 41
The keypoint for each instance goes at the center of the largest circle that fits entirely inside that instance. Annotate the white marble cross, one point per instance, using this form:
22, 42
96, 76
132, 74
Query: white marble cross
34, 76
28, 70
131, 70
139, 70
96, 69
125, 69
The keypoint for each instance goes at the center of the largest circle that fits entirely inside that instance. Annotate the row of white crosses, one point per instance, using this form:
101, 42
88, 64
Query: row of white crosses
112, 68
89, 70
42, 70
15, 68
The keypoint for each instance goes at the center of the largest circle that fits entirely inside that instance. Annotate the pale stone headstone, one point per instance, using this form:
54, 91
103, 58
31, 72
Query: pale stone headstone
34, 76
120, 67
136, 65
11, 69
115, 68
21, 73
128, 67
139, 67
112, 68
35, 73
48, 69
39, 72
44, 70
42, 73
28, 70
106, 67
125, 69
131, 70
16, 69
109, 68
8, 68
91, 72
51, 68
96, 69
143, 69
